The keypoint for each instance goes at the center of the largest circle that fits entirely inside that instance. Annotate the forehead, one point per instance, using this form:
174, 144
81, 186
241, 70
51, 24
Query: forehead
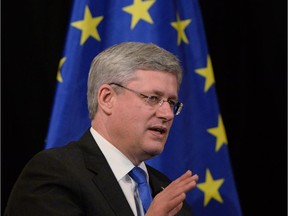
155, 81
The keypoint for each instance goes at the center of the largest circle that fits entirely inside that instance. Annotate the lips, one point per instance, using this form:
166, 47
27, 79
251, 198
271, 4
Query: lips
159, 129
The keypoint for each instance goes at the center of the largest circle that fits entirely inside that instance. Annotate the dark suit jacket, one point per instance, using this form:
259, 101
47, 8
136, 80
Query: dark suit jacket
74, 180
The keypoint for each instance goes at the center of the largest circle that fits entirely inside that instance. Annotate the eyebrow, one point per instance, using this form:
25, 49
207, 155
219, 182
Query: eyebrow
159, 93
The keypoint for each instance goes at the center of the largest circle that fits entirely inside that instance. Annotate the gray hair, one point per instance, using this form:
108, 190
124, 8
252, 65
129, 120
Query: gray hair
119, 63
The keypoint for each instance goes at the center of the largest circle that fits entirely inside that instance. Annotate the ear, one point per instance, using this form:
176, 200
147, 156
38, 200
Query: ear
105, 98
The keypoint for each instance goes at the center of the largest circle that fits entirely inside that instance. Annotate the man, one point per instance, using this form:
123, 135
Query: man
132, 100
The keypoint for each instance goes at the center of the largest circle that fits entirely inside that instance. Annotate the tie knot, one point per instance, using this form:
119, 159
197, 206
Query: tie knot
138, 175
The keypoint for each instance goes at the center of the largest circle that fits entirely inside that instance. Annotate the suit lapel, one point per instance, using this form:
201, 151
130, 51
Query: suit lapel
106, 182
157, 184
104, 178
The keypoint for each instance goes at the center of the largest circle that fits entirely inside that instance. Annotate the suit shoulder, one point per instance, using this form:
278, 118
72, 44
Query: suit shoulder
58, 152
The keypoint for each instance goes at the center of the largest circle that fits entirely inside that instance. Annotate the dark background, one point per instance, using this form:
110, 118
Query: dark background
248, 46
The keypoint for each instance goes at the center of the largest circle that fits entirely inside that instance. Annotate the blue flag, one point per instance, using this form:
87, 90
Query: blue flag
197, 140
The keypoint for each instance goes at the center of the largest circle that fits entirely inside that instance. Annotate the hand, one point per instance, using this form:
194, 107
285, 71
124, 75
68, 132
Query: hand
170, 201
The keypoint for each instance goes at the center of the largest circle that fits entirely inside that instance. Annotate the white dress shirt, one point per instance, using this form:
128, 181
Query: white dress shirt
121, 166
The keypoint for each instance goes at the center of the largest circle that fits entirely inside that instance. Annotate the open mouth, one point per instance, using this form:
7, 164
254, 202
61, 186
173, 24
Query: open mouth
160, 130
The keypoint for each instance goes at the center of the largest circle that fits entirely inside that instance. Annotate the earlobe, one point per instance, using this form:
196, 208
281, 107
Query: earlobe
105, 98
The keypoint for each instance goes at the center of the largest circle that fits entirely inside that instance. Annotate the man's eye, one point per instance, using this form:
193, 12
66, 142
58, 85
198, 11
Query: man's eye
153, 98
172, 102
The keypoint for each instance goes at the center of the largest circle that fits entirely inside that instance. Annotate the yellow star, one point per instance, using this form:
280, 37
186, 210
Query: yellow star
219, 133
139, 10
59, 77
210, 188
208, 73
88, 26
180, 26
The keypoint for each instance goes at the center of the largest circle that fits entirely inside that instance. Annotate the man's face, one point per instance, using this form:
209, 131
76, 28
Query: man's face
141, 129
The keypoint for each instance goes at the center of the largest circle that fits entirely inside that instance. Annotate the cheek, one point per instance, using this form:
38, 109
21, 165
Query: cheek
137, 114
132, 122
133, 118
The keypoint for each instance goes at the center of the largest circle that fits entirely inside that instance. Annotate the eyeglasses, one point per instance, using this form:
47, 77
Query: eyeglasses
152, 100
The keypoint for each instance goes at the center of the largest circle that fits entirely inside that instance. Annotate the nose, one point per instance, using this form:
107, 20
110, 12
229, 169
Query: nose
165, 110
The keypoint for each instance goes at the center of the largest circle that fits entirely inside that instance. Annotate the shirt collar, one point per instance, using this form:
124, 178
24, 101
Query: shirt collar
117, 161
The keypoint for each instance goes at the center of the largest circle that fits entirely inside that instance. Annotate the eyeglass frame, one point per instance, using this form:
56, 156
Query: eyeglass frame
152, 100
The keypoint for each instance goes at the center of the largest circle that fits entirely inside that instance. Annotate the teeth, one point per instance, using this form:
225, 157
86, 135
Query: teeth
159, 130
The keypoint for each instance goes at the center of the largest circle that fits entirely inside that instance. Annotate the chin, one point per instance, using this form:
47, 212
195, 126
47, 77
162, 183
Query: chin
155, 151
153, 147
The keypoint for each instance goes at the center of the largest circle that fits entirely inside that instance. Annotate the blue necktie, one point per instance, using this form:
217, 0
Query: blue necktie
139, 176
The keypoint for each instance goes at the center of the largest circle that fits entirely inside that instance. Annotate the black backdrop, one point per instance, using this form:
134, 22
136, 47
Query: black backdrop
247, 42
